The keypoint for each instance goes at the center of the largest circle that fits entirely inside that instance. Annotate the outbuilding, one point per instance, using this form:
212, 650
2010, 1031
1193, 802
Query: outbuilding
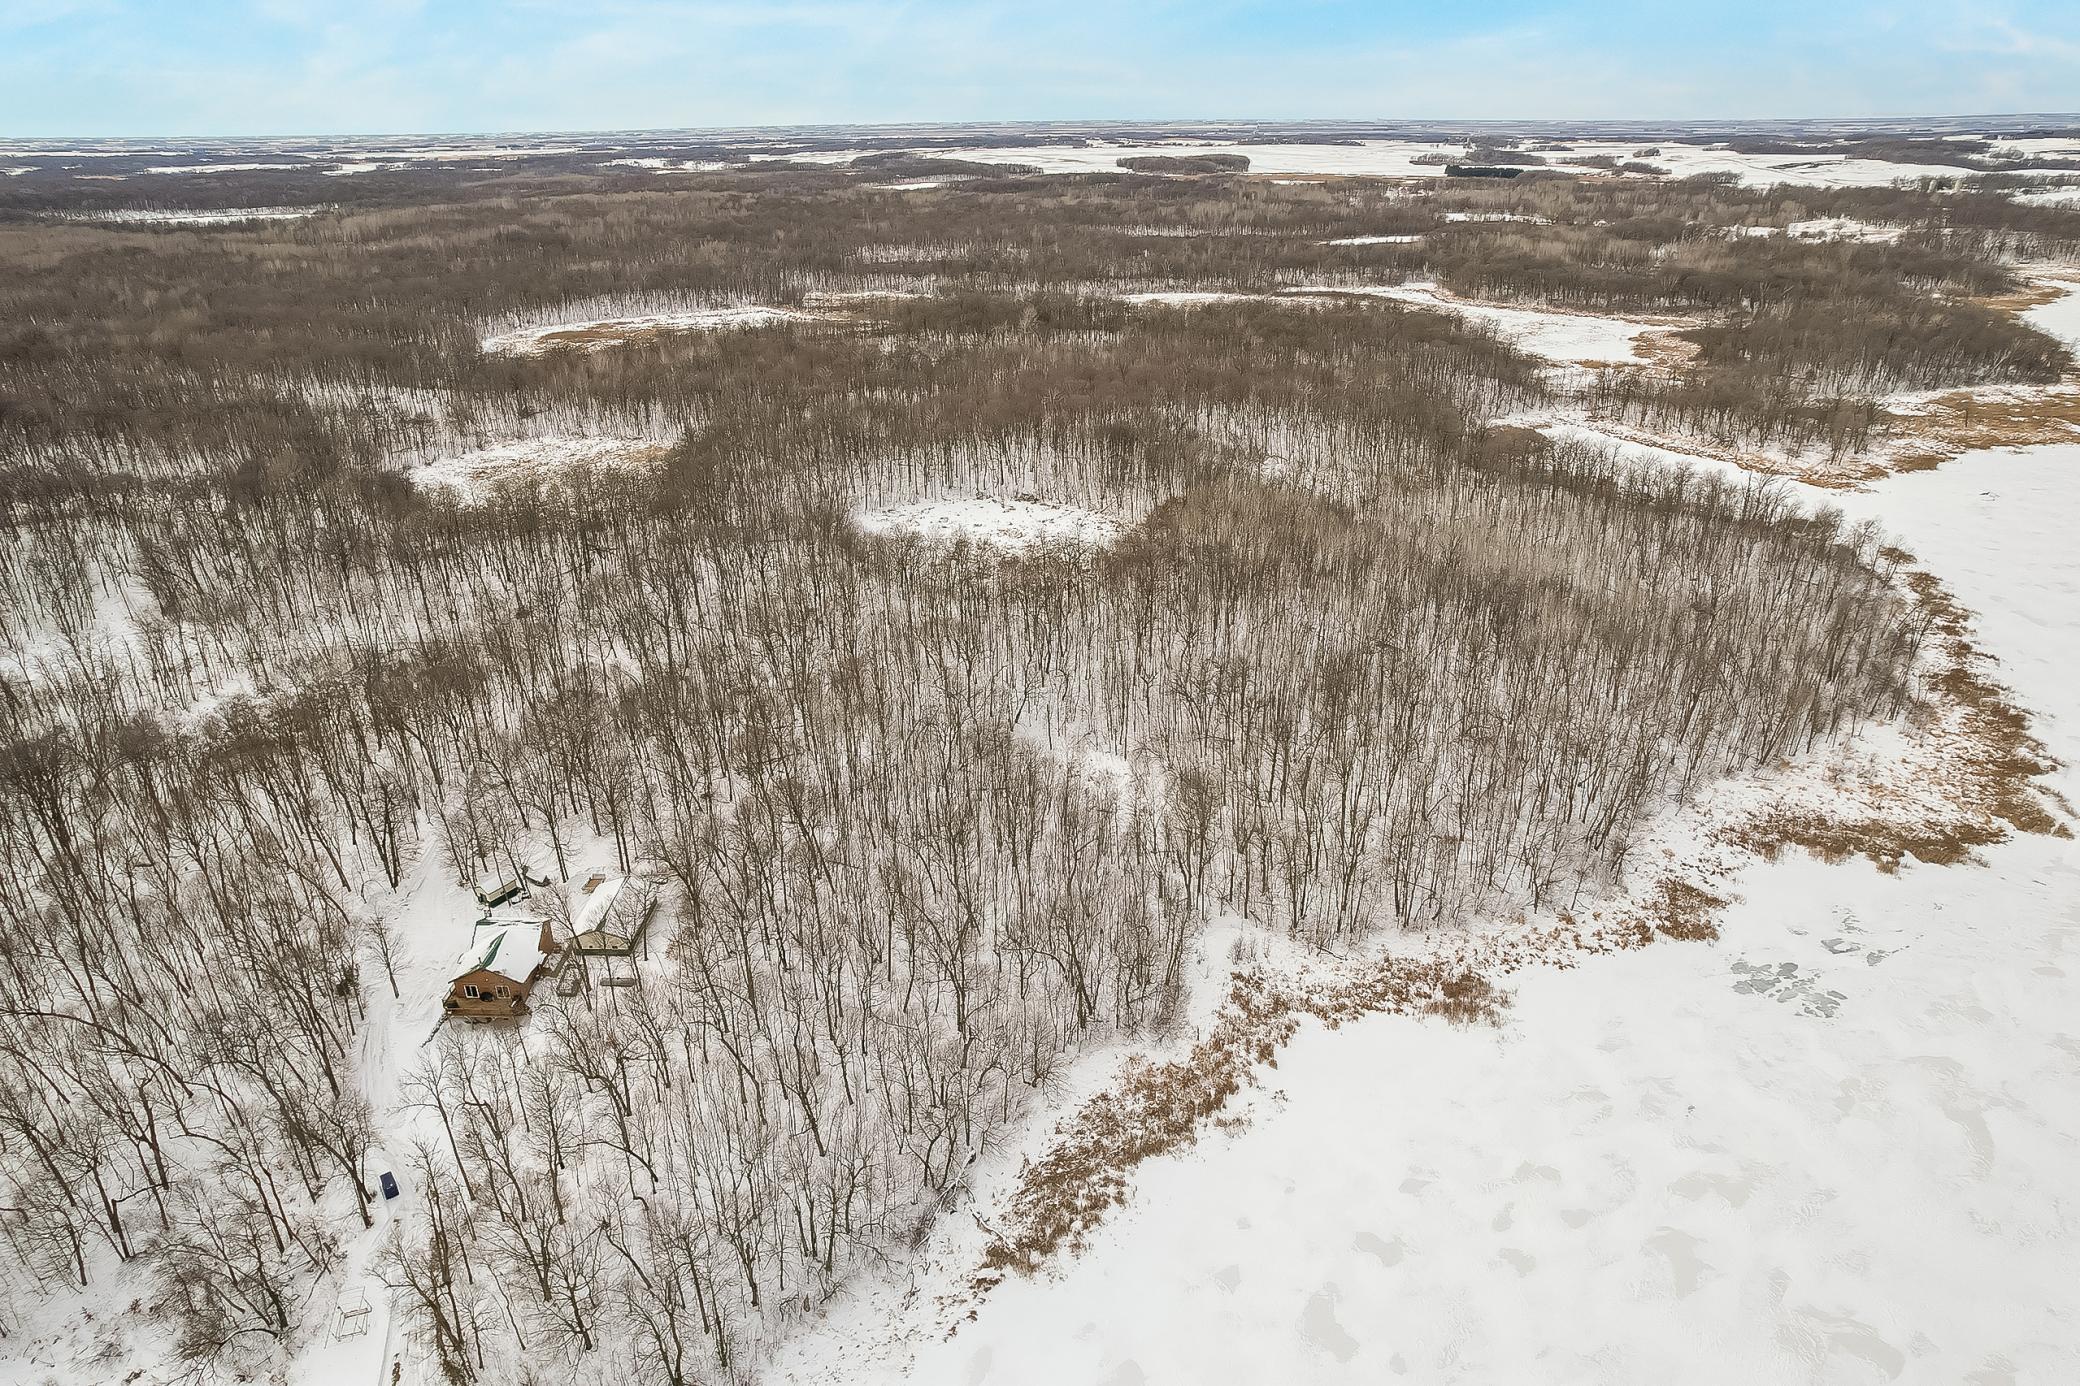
616, 914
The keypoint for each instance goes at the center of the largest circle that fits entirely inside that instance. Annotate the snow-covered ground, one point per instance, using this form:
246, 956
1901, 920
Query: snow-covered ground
1397, 159
215, 216
596, 334
470, 471
1554, 336
2037, 146
1832, 1148
1560, 337
221, 168
2050, 197
1010, 525
1392, 157
1842, 229
662, 165
1189, 298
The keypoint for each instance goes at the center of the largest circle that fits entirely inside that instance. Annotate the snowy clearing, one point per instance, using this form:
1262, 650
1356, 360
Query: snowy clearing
2049, 197
1843, 229
661, 165
1189, 298
1011, 525
221, 168
471, 470
1565, 338
216, 216
597, 334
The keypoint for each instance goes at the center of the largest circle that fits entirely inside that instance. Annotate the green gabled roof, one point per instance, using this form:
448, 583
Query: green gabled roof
512, 951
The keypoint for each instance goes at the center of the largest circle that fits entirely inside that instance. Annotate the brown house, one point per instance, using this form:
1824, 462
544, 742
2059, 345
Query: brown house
500, 969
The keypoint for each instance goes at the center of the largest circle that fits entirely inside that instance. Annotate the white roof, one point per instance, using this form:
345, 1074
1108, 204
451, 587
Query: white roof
599, 905
615, 906
513, 952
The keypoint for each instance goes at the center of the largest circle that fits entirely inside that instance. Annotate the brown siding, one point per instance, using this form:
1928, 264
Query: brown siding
487, 1002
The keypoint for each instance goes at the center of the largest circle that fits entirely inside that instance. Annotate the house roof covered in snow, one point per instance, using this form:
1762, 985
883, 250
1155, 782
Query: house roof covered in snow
601, 905
513, 951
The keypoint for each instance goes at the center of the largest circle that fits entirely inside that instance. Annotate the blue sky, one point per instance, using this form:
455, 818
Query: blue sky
240, 67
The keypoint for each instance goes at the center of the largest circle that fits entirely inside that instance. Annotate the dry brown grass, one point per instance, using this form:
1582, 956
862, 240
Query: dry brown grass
1965, 421
1988, 760
1681, 910
1947, 427
1156, 1108
1961, 421
2035, 294
1969, 420
1664, 351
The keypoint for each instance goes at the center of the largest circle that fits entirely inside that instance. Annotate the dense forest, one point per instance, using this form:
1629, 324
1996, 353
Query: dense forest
930, 816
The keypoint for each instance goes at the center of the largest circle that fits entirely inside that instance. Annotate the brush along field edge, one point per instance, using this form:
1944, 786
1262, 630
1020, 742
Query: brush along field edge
1968, 752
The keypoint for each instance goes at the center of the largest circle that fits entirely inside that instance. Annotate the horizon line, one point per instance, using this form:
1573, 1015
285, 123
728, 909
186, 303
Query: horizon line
1100, 123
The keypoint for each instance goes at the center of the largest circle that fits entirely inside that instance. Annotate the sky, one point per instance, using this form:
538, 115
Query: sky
341, 67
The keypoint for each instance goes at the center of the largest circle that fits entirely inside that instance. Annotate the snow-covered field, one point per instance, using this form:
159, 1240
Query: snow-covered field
222, 168
661, 165
1397, 159
1832, 1148
1383, 157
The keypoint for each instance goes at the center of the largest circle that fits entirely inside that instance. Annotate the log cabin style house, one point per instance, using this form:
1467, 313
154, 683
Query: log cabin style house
500, 969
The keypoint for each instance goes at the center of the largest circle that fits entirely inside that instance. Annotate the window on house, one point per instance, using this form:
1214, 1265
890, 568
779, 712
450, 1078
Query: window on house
503, 992
469, 989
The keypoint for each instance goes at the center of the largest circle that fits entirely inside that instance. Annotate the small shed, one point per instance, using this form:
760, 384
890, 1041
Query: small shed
496, 890
499, 969
614, 916
499, 888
